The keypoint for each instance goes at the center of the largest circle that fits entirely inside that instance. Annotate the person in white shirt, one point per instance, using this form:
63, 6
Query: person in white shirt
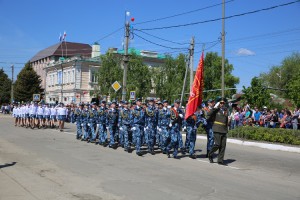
22, 115
27, 118
40, 113
53, 114
47, 113
61, 112
32, 114
15, 114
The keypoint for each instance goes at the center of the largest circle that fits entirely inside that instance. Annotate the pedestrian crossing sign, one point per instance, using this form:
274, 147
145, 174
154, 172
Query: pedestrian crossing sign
116, 86
36, 97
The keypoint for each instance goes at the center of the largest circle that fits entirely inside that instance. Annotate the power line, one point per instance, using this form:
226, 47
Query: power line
179, 43
157, 43
106, 36
17, 63
185, 43
274, 34
180, 14
217, 19
210, 47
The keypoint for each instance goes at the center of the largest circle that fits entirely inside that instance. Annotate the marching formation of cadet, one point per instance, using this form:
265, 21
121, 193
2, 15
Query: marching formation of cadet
136, 125
38, 115
132, 126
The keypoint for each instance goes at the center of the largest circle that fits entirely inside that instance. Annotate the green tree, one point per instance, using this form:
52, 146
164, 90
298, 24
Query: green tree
284, 77
169, 78
139, 77
5, 87
293, 90
27, 84
212, 76
109, 72
256, 94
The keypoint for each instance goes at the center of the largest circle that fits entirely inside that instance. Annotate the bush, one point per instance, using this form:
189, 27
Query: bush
278, 135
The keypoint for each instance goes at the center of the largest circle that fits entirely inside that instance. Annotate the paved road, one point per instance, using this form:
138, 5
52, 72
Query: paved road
47, 164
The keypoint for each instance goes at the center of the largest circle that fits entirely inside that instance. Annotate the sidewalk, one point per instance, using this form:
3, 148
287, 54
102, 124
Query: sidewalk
277, 147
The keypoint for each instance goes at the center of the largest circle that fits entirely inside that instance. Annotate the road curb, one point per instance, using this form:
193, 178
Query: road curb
276, 147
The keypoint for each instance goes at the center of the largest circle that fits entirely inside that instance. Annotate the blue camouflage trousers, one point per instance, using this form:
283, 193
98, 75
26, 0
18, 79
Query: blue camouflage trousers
85, 130
121, 136
150, 133
191, 138
165, 135
112, 132
145, 137
92, 131
158, 138
180, 140
79, 129
210, 136
175, 139
102, 133
125, 130
137, 132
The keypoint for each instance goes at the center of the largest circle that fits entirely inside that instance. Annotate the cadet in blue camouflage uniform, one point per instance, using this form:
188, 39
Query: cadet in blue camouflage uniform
78, 120
85, 120
92, 123
162, 126
138, 122
119, 134
158, 136
176, 116
124, 123
112, 123
192, 124
150, 125
101, 123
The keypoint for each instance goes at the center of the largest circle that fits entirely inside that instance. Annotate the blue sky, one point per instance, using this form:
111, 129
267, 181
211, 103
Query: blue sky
254, 42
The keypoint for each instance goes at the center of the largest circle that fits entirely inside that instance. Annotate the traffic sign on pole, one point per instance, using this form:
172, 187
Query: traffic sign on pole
116, 86
36, 97
132, 95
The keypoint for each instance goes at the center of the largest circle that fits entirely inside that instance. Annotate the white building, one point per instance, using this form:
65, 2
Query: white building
72, 80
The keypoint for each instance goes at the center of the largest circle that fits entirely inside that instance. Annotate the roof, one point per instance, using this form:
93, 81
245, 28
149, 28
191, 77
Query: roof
143, 53
66, 49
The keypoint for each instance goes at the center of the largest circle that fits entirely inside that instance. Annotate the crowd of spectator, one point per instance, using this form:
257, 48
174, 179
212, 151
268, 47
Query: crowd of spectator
269, 118
6, 109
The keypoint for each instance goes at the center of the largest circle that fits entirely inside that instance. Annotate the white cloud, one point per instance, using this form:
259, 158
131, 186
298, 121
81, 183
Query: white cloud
244, 52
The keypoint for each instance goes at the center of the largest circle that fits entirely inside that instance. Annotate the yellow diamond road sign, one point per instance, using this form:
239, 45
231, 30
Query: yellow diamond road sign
116, 85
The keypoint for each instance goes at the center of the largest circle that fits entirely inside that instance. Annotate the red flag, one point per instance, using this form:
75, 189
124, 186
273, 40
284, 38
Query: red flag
195, 98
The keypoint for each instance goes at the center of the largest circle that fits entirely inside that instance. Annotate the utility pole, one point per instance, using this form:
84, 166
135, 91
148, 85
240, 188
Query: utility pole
184, 82
12, 84
192, 47
125, 61
223, 48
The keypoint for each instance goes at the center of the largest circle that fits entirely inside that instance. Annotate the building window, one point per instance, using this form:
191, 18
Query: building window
73, 75
65, 78
59, 77
94, 77
69, 77
52, 79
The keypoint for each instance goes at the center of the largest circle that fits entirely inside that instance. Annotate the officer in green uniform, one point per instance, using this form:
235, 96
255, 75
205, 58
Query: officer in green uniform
219, 115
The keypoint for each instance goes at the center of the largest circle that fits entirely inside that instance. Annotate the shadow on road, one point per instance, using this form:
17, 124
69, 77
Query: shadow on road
228, 161
7, 165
